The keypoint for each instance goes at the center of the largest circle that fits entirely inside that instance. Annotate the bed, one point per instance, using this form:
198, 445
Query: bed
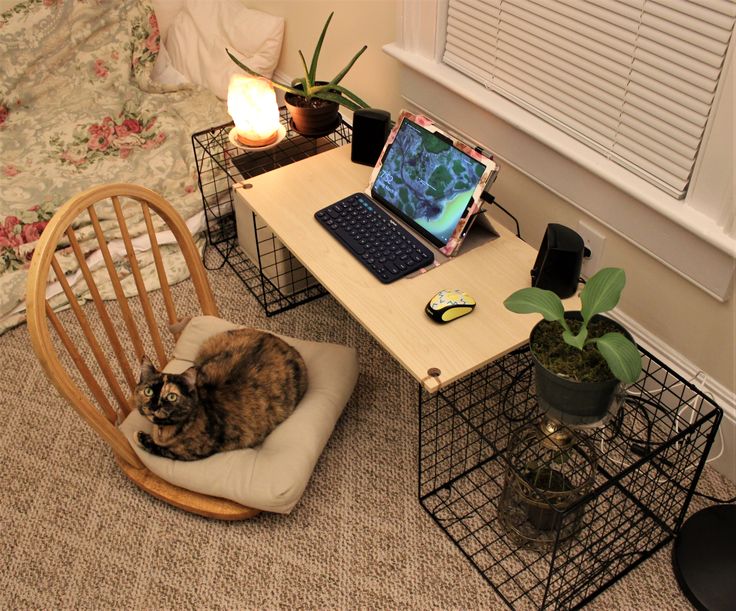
89, 94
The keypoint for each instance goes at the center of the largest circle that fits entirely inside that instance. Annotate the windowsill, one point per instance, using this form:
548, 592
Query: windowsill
670, 230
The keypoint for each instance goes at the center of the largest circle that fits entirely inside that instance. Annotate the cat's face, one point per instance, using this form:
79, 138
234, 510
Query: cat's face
166, 398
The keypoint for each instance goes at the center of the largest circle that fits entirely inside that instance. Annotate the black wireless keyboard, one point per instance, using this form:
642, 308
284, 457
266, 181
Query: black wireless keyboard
387, 249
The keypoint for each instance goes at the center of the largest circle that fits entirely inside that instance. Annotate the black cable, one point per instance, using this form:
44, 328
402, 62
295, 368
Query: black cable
677, 484
204, 258
641, 447
715, 499
490, 199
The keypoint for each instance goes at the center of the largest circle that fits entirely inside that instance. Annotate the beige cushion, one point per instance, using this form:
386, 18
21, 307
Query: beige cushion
272, 476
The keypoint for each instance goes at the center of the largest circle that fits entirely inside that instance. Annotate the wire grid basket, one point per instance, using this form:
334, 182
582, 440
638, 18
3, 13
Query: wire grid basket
650, 453
270, 272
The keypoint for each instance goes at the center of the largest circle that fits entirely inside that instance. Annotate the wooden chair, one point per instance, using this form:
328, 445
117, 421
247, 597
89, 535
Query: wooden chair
109, 340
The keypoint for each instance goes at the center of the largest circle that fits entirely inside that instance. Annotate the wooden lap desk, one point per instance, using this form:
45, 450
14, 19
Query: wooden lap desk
286, 200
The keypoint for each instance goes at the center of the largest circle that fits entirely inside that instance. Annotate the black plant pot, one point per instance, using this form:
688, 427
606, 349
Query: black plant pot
312, 120
570, 401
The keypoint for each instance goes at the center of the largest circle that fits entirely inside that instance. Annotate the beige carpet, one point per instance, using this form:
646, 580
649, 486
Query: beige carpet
74, 533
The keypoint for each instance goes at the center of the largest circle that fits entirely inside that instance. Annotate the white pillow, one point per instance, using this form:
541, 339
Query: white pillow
199, 34
272, 476
166, 11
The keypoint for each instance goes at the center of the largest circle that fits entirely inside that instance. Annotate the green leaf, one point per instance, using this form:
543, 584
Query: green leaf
577, 341
282, 86
533, 299
300, 85
346, 69
349, 94
241, 64
602, 292
622, 356
306, 78
339, 94
336, 97
287, 88
312, 74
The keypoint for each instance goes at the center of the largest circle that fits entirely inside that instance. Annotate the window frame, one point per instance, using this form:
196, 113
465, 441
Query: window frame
696, 236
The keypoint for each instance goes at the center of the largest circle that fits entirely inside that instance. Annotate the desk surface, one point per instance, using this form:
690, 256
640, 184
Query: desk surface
287, 198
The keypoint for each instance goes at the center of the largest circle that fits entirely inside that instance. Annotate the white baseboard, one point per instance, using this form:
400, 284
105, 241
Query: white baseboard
724, 447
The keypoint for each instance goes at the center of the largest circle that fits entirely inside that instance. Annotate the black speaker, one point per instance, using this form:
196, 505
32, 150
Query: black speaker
559, 261
370, 130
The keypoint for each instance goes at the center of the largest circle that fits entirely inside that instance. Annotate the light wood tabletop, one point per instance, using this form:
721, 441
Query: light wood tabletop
286, 200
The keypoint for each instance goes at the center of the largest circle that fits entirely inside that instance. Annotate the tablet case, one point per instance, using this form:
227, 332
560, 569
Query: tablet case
452, 247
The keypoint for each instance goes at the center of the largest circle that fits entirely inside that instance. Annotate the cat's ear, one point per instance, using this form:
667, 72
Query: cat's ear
190, 377
147, 369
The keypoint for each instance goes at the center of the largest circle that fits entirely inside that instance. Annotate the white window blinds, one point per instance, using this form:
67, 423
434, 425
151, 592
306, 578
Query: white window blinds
633, 79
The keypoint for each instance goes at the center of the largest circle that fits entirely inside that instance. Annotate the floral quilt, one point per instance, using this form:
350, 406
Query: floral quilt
78, 107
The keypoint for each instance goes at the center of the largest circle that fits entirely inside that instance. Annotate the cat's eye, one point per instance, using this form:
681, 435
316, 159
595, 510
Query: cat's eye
172, 397
148, 391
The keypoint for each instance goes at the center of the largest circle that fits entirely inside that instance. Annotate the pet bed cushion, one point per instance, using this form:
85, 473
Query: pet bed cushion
200, 32
272, 476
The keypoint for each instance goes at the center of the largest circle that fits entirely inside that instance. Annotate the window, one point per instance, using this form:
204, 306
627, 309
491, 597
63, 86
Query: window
634, 80
630, 93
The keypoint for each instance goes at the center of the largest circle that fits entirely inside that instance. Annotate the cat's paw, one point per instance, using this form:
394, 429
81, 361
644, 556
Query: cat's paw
149, 445
145, 441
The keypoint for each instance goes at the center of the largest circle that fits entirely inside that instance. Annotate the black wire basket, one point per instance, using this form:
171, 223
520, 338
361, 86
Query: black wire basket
269, 271
630, 479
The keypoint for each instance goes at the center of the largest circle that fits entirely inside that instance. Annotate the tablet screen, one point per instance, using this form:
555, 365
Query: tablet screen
427, 181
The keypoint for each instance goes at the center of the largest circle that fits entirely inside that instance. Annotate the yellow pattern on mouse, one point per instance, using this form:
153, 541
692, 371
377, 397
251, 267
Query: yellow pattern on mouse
449, 304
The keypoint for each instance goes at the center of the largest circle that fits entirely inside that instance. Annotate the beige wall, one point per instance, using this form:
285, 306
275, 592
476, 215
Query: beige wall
680, 314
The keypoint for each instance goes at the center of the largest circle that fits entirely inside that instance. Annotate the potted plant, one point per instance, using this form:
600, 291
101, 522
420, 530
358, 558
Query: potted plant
313, 104
580, 357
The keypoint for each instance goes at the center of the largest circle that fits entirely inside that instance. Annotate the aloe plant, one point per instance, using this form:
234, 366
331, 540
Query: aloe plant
307, 85
600, 294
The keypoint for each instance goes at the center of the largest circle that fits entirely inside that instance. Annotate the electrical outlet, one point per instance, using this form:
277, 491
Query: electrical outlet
595, 242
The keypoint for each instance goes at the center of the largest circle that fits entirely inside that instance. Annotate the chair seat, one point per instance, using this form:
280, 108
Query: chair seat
272, 476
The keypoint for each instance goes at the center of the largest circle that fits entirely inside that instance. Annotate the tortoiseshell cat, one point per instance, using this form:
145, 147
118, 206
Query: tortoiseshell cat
243, 383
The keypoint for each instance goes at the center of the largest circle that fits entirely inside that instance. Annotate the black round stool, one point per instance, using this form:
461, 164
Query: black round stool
704, 558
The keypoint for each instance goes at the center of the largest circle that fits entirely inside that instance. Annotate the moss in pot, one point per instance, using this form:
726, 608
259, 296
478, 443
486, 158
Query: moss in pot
580, 357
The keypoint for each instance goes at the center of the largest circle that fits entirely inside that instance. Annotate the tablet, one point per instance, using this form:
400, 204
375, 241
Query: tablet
433, 182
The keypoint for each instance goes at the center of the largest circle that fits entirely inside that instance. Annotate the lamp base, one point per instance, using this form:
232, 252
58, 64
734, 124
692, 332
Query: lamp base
256, 143
704, 558
235, 140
